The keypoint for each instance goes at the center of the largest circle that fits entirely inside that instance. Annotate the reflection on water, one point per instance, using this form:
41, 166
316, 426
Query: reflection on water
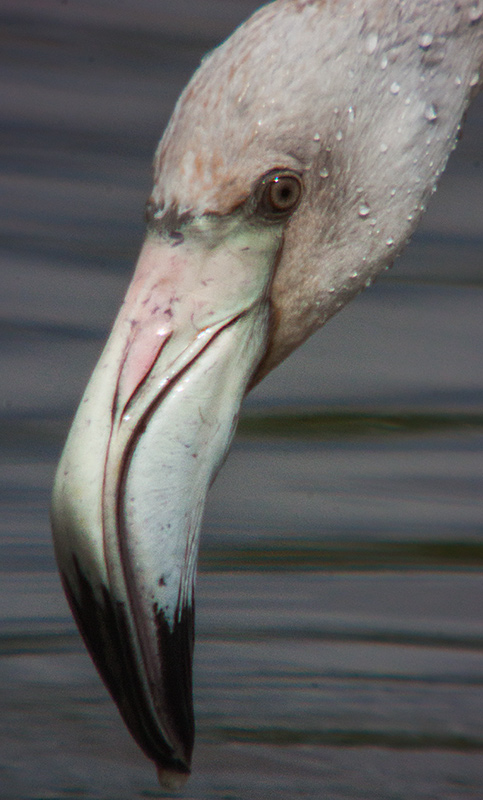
340, 635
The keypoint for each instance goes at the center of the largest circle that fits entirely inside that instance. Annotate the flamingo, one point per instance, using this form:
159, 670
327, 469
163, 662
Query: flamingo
295, 167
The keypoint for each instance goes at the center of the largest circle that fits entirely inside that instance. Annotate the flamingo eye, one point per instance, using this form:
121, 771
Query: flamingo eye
279, 194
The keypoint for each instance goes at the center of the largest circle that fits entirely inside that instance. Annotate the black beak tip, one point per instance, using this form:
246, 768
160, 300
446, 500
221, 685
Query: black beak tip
104, 627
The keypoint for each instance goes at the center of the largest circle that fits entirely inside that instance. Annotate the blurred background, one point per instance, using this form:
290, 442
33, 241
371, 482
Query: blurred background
339, 631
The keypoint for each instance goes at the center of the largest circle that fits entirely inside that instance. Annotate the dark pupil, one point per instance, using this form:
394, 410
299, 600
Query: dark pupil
283, 194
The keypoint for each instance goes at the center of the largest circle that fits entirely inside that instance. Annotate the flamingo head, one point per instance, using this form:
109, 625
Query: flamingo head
295, 166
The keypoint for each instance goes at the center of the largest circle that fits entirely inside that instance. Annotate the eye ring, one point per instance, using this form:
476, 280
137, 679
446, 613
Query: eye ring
278, 194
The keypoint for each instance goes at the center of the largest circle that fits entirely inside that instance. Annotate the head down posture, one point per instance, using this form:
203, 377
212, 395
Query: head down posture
294, 169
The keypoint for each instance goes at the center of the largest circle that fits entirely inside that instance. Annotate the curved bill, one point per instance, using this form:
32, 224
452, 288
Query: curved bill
150, 434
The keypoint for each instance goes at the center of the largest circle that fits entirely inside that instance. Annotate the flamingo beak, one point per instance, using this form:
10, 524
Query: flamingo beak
150, 434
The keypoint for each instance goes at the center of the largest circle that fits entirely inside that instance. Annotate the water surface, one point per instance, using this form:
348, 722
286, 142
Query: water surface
340, 633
